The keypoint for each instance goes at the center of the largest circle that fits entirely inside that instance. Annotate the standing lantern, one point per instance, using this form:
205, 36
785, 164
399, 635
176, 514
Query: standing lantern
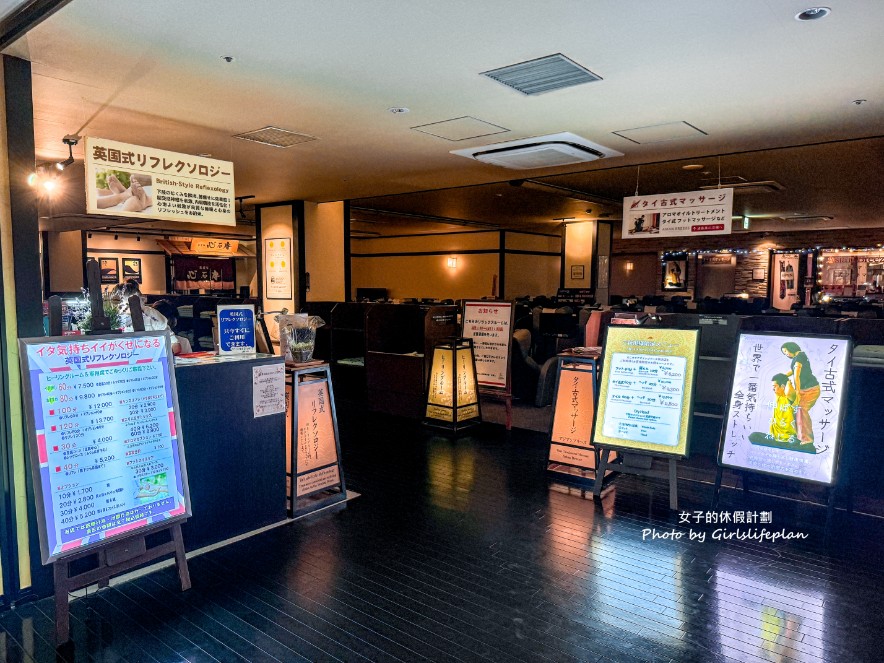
453, 396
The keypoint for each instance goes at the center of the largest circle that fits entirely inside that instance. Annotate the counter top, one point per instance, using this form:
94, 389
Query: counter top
208, 358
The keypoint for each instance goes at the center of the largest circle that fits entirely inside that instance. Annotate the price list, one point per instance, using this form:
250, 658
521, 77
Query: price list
645, 395
106, 438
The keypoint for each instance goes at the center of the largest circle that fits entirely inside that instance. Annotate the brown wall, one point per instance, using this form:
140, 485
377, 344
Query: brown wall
641, 280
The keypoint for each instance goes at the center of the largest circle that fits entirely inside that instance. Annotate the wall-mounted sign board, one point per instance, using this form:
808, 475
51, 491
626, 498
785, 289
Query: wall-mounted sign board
145, 182
646, 394
278, 268
236, 329
786, 405
104, 436
490, 326
683, 214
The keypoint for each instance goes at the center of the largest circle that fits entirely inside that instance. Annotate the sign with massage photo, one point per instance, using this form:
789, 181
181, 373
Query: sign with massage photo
786, 405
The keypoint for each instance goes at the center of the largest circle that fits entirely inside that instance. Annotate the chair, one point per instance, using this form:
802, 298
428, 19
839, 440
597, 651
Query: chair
525, 371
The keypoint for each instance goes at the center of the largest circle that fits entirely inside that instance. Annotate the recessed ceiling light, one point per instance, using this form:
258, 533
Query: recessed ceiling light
813, 14
692, 166
397, 110
859, 102
204, 154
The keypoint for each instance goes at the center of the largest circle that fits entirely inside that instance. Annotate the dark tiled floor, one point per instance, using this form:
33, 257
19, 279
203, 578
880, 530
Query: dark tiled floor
463, 551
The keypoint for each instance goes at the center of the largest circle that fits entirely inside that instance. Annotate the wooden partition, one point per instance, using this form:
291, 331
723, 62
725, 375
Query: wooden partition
399, 340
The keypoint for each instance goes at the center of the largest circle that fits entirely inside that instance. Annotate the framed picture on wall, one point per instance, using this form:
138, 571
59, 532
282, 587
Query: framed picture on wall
132, 269
577, 272
675, 274
110, 270
758, 274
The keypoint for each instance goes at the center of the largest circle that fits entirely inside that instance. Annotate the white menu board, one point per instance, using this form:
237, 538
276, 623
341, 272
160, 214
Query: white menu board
647, 388
684, 214
489, 324
105, 439
645, 395
786, 405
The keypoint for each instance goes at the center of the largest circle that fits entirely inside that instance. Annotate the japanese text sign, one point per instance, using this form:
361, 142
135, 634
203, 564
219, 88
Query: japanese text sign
647, 390
144, 182
206, 245
105, 440
317, 454
691, 213
489, 324
236, 329
786, 405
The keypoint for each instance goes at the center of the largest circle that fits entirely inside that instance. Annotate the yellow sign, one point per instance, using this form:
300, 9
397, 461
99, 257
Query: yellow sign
144, 182
647, 390
209, 246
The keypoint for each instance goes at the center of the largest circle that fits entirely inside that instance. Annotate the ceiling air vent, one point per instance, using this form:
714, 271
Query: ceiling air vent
552, 72
767, 186
559, 149
275, 137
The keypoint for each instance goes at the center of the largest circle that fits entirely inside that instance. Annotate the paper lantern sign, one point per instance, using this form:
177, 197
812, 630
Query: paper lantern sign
104, 434
646, 396
236, 329
452, 398
786, 405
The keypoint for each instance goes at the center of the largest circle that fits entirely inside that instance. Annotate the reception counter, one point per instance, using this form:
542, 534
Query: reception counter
235, 459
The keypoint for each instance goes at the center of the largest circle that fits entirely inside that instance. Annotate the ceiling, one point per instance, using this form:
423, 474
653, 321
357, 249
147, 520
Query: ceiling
753, 80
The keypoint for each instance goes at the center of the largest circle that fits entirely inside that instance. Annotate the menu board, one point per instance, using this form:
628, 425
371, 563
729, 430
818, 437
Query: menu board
682, 214
647, 390
786, 405
104, 433
236, 329
489, 324
317, 444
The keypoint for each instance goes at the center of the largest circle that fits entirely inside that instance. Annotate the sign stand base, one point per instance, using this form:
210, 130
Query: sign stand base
640, 464
113, 559
506, 397
744, 476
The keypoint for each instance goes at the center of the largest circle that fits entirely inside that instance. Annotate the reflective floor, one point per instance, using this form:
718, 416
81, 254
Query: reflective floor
463, 550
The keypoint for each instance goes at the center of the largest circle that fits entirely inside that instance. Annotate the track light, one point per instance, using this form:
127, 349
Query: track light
137, 238
89, 235
70, 141
116, 237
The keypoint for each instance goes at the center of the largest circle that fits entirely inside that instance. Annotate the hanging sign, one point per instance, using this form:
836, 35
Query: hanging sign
786, 405
278, 268
686, 214
236, 329
144, 182
104, 434
647, 390
489, 324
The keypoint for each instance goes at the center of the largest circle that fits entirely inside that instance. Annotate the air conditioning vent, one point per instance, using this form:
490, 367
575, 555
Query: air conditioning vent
275, 137
767, 186
552, 72
560, 149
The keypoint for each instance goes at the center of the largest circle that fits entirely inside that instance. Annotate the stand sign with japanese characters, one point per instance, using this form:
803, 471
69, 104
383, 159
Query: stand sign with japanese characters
490, 325
686, 214
147, 183
317, 478
786, 406
236, 329
106, 450
646, 399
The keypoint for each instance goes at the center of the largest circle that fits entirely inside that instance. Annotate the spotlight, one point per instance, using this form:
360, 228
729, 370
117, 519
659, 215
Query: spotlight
89, 235
116, 237
137, 238
49, 185
32, 179
70, 141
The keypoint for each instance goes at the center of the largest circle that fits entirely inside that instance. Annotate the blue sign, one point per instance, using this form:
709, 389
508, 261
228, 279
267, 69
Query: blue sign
236, 330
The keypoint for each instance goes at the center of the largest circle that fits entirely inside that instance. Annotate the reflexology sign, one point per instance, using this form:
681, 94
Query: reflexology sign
647, 390
685, 214
144, 182
104, 433
786, 405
